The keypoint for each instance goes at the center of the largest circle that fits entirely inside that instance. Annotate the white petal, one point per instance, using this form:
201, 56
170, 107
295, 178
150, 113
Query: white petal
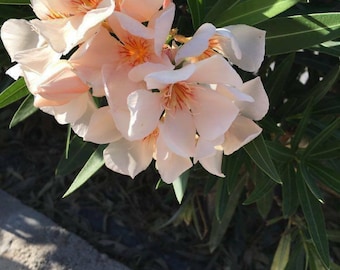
17, 35
159, 80
145, 111
252, 44
255, 110
213, 113
228, 44
215, 69
139, 72
169, 165
178, 132
101, 128
141, 10
128, 157
213, 163
198, 43
242, 131
161, 23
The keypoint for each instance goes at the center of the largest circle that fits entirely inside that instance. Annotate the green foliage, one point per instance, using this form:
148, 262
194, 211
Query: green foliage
293, 167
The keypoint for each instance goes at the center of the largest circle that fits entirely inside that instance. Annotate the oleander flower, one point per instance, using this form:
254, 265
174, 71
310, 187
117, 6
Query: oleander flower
131, 157
141, 11
242, 45
244, 129
186, 104
67, 23
132, 45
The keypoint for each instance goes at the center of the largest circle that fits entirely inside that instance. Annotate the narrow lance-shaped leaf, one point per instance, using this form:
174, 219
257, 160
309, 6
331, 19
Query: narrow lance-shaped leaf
315, 220
77, 155
13, 93
219, 228
220, 5
95, 162
321, 138
258, 152
251, 12
305, 175
180, 185
289, 34
197, 10
25, 110
290, 201
281, 256
14, 2
221, 197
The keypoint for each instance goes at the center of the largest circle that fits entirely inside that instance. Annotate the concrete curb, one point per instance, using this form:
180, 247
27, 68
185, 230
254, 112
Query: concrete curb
31, 241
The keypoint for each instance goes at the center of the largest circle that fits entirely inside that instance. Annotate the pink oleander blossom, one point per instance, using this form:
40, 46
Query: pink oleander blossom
133, 44
67, 23
184, 99
243, 45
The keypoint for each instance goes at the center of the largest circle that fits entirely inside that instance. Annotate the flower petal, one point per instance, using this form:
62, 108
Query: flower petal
101, 128
145, 111
169, 165
141, 10
257, 109
197, 44
242, 131
252, 44
178, 132
128, 157
215, 69
212, 112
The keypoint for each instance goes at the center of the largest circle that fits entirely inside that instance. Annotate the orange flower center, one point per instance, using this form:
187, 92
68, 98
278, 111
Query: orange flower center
177, 96
135, 51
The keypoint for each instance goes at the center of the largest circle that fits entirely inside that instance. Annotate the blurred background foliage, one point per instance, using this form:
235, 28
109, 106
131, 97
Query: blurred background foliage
277, 208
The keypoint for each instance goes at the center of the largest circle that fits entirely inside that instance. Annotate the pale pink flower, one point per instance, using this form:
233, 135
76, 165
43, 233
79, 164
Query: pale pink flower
243, 45
133, 44
141, 11
187, 102
131, 157
67, 23
244, 129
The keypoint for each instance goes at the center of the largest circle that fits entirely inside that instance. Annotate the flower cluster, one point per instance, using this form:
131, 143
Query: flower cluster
119, 74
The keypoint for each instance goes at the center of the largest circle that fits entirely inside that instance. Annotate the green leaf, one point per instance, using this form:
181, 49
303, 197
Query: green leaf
315, 220
220, 5
290, 200
278, 79
250, 12
289, 34
197, 8
15, 2
180, 185
279, 152
263, 185
327, 151
221, 197
329, 47
326, 175
281, 256
258, 152
305, 175
95, 162
264, 203
233, 164
219, 228
301, 128
25, 110
322, 87
74, 157
318, 140
13, 93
